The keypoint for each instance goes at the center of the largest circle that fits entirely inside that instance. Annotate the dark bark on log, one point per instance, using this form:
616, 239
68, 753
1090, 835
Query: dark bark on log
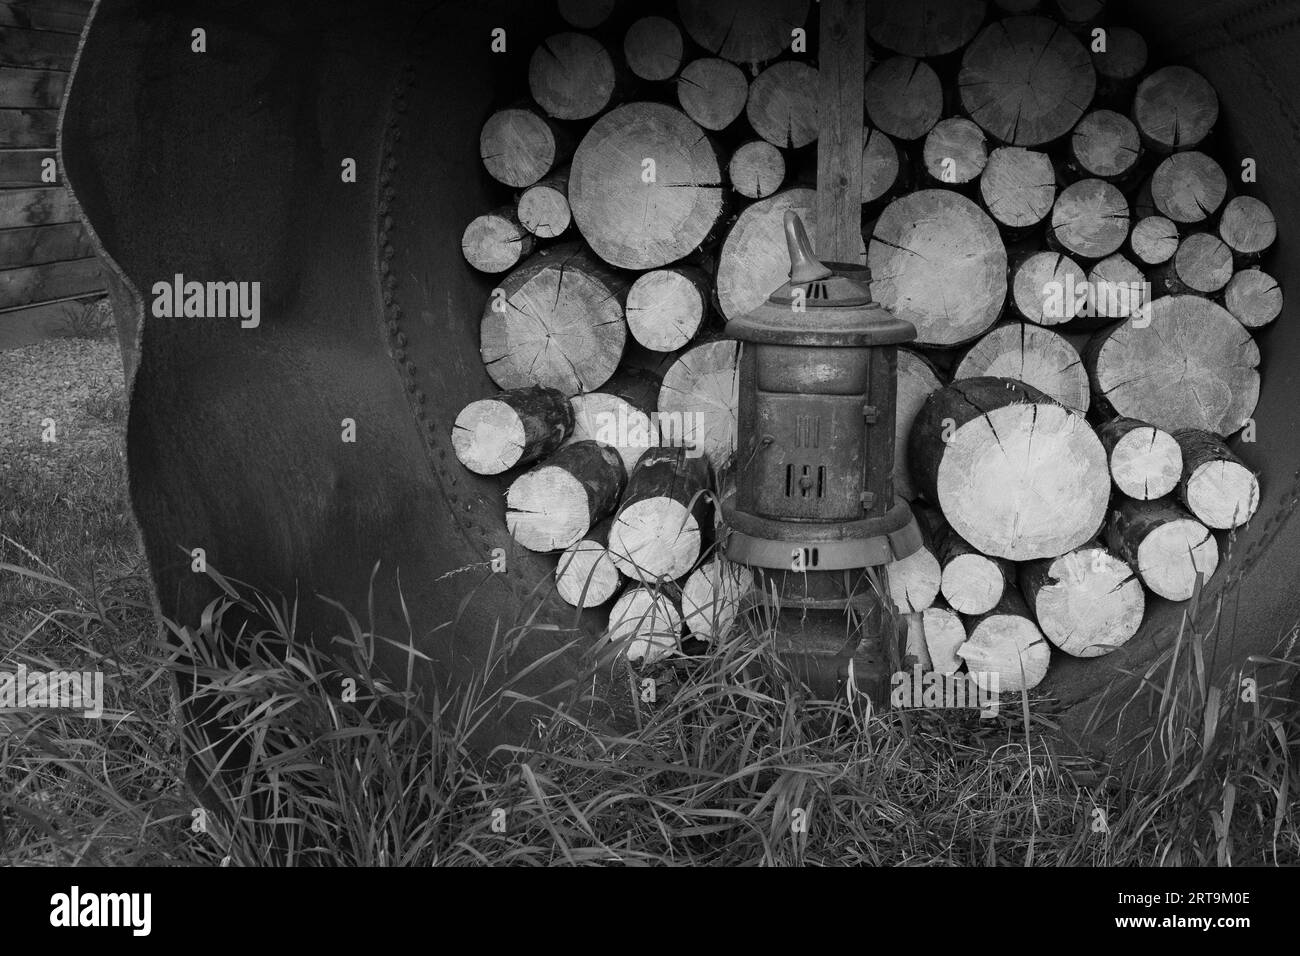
1216, 486
660, 527
518, 427
555, 504
1165, 544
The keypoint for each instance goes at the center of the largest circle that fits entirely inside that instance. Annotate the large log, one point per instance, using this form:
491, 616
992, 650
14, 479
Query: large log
1018, 187
971, 582
666, 308
924, 28
1216, 486
557, 321
518, 427
653, 48
1007, 645
1247, 225
1154, 240
782, 105
571, 76
1165, 544
743, 31
903, 97
1188, 188
1175, 108
1253, 297
1120, 64
938, 262
918, 379
1090, 219
645, 625
585, 575
1191, 366
713, 597
753, 260
519, 146
544, 206
1026, 81
1105, 145
1046, 286
621, 415
645, 186
757, 169
955, 152
1145, 461
659, 528
496, 241
883, 167
1087, 602
555, 504
1016, 474
712, 91
1033, 355
699, 399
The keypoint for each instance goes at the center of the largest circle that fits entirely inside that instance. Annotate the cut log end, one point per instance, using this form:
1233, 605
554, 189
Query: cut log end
493, 435
944, 635
782, 105
571, 76
1188, 187
645, 626
972, 583
756, 170
1168, 547
554, 505
699, 400
1154, 240
1247, 225
1033, 355
652, 47
1045, 288
903, 97
1007, 645
1253, 297
518, 147
914, 581
1018, 187
1090, 219
1105, 144
956, 151
1145, 461
496, 242
666, 308
713, 597
1087, 603
712, 92
1217, 487
586, 575
1175, 108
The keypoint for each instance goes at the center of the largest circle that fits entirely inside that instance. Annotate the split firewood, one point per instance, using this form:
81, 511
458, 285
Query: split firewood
1042, 493
555, 504
712, 91
557, 320
1216, 486
659, 527
713, 596
1154, 240
519, 146
1105, 145
1188, 187
1046, 287
652, 48
782, 105
1253, 297
1033, 355
1087, 602
971, 582
1166, 545
917, 380
1026, 81
1202, 265
699, 399
1175, 108
666, 308
621, 415
1090, 219
518, 427
753, 261
586, 575
586, 14
924, 28
1145, 461
496, 241
914, 581
1120, 64
955, 152
571, 76
757, 169
645, 186
1192, 365
916, 653
903, 97
882, 166
743, 31
1007, 645
544, 206
1247, 226
645, 625
944, 635
1117, 289
938, 262
1018, 187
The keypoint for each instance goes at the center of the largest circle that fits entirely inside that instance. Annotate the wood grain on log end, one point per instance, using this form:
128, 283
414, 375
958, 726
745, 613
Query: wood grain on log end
956, 151
1154, 240
944, 635
1253, 297
743, 31
782, 105
1188, 187
918, 379
903, 97
1175, 108
1216, 486
666, 307
646, 626
493, 435
496, 242
555, 504
1018, 187
713, 597
1247, 225
1033, 355
1090, 219
652, 48
1105, 144
699, 400
924, 28
1165, 544
571, 76
882, 166
1087, 603
585, 575
1007, 643
756, 170
1046, 288
1145, 461
712, 91
519, 146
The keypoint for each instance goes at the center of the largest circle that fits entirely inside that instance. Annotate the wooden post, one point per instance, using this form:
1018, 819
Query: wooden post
843, 65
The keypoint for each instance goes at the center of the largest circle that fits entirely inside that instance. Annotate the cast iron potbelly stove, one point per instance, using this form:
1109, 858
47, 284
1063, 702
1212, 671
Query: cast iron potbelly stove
814, 510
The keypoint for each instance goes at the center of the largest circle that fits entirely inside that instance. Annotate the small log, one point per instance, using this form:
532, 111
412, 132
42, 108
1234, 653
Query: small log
586, 575
1031, 354
698, 401
1216, 486
652, 48
555, 504
1253, 297
944, 635
544, 206
496, 241
1192, 365
743, 31
903, 97
971, 583
1007, 645
713, 597
882, 166
1041, 494
1145, 461
955, 152
658, 530
712, 92
1046, 288
586, 14
1120, 64
571, 76
645, 186
1090, 219
621, 416
1117, 289
924, 28
557, 320
914, 581
1105, 145
1202, 265
782, 105
1026, 81
519, 146
1018, 187
1087, 602
753, 261
757, 169
666, 308
518, 427
938, 262
1154, 240
917, 380
645, 625
1165, 544
1188, 188
1175, 108
1247, 226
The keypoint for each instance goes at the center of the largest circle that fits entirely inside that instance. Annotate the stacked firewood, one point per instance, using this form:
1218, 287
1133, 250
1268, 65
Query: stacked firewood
1054, 214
